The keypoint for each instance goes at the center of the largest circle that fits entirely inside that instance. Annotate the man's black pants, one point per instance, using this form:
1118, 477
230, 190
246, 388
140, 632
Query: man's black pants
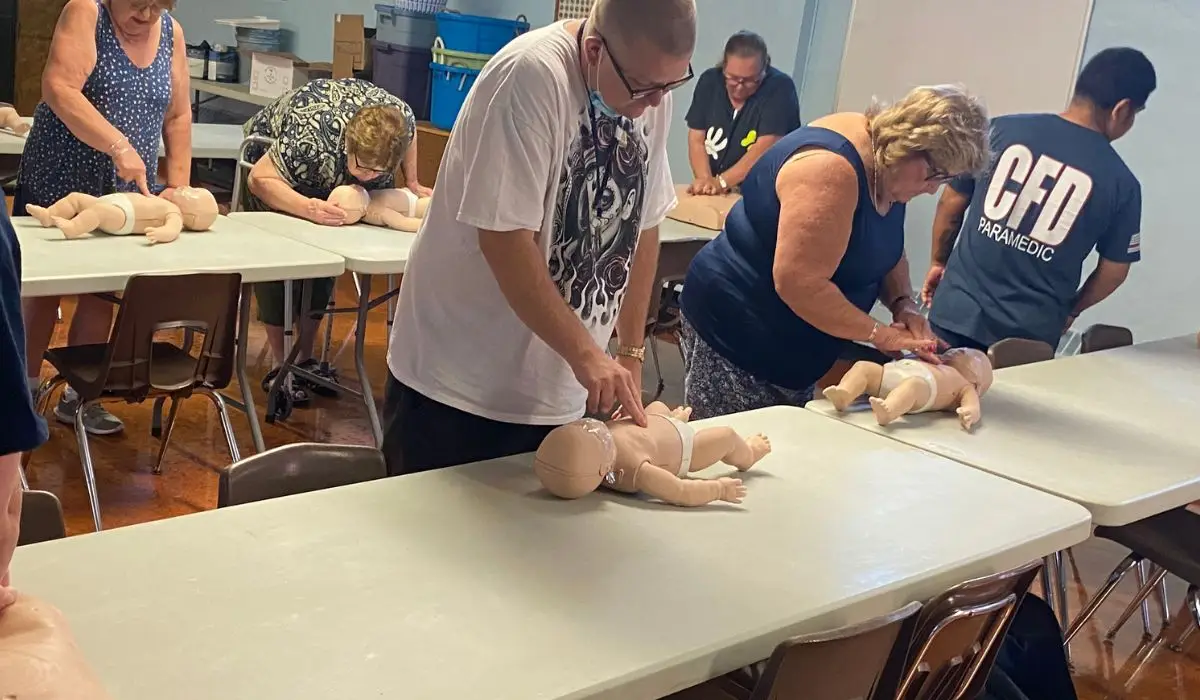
420, 434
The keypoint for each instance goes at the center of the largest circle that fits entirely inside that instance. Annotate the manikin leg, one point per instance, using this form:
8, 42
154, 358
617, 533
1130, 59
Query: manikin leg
723, 444
65, 208
862, 378
99, 217
901, 400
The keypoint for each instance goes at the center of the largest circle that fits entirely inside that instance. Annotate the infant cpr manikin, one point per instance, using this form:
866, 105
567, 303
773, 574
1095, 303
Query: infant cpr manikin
398, 209
913, 386
576, 459
159, 219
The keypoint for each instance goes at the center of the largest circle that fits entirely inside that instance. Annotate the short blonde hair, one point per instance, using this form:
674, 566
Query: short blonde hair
943, 123
379, 135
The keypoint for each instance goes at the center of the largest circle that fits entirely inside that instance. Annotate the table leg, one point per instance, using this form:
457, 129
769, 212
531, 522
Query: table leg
391, 307
1058, 575
364, 305
244, 381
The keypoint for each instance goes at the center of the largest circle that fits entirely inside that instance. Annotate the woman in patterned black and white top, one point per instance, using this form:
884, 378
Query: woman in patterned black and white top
115, 84
326, 133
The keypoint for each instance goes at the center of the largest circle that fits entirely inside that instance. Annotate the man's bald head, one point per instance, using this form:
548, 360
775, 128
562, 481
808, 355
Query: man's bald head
666, 25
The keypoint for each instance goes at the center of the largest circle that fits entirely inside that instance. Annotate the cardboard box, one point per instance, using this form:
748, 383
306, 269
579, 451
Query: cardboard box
273, 74
349, 45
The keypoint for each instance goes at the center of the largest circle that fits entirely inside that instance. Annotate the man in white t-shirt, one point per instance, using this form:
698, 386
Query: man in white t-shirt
541, 239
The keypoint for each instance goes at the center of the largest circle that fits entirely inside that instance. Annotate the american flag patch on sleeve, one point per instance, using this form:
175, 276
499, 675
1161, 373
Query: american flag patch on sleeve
1135, 243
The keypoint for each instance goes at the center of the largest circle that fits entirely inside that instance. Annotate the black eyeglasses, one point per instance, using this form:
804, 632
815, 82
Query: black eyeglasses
377, 171
640, 93
936, 174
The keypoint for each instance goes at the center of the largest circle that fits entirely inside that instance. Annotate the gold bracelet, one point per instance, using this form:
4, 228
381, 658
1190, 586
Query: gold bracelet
637, 353
112, 150
874, 331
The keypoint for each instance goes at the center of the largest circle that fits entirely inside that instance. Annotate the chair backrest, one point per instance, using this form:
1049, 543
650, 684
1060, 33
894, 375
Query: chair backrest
41, 518
298, 468
840, 664
1101, 336
674, 257
241, 191
206, 303
958, 634
1011, 352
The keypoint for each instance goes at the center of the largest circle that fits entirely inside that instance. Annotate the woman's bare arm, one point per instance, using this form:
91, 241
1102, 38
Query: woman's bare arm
177, 128
72, 60
818, 193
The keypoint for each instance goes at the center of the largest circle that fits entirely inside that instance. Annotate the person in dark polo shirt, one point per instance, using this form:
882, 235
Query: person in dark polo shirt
1057, 190
21, 430
739, 109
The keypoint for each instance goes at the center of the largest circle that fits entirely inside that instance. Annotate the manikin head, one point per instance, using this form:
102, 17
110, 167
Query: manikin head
1111, 90
744, 65
575, 458
973, 365
198, 206
930, 136
351, 199
634, 52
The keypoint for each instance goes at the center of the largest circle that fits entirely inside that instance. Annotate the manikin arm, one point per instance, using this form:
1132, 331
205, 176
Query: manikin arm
170, 229
969, 411
668, 488
11, 120
382, 216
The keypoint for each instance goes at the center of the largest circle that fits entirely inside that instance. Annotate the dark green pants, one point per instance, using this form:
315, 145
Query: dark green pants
270, 299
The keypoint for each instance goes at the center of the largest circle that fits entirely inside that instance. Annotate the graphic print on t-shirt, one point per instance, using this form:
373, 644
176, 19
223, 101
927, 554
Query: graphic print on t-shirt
715, 142
1031, 203
589, 254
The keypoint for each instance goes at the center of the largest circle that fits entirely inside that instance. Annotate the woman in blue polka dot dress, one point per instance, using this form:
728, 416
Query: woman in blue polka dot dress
115, 83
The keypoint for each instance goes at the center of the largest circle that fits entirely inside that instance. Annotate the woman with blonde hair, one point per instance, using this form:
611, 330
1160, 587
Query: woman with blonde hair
324, 134
816, 240
115, 84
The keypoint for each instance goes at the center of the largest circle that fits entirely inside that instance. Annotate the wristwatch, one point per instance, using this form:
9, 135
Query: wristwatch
724, 185
637, 353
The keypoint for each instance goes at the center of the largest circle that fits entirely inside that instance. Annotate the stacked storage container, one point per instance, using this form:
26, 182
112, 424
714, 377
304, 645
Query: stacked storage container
464, 44
404, 35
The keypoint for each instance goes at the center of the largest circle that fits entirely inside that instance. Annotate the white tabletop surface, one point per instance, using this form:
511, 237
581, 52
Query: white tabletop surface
233, 91
1115, 431
218, 141
370, 250
670, 231
473, 584
52, 265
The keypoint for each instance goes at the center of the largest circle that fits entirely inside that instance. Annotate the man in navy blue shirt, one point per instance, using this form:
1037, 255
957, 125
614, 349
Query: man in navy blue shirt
1056, 191
21, 429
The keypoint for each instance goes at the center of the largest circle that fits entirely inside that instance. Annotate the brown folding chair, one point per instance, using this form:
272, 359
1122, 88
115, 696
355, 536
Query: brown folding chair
137, 364
41, 518
298, 468
1012, 352
840, 664
674, 258
1100, 336
958, 634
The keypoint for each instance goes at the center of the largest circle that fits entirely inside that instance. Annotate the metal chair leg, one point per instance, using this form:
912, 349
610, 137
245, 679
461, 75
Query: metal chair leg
89, 472
1144, 572
165, 438
662, 385
1164, 602
1139, 601
23, 478
41, 404
226, 425
1192, 603
1102, 595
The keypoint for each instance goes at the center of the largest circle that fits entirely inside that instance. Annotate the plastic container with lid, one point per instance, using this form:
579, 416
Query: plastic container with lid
451, 85
465, 59
404, 72
400, 27
478, 34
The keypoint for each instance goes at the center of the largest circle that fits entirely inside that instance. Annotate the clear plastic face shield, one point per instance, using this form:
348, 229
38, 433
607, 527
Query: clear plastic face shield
608, 447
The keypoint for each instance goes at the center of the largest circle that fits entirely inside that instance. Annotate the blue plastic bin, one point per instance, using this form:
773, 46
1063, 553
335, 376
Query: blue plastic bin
477, 34
450, 85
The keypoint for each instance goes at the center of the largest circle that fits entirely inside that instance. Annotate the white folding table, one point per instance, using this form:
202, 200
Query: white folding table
472, 583
55, 266
368, 251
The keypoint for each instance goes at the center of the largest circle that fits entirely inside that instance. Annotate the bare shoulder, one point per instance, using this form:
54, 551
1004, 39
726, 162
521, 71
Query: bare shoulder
178, 32
80, 12
817, 169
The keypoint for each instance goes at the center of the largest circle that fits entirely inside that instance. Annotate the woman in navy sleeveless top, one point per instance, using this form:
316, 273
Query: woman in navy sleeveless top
816, 240
115, 84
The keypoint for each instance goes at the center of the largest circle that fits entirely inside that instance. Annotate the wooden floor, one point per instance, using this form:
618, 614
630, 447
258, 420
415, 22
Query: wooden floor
130, 494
